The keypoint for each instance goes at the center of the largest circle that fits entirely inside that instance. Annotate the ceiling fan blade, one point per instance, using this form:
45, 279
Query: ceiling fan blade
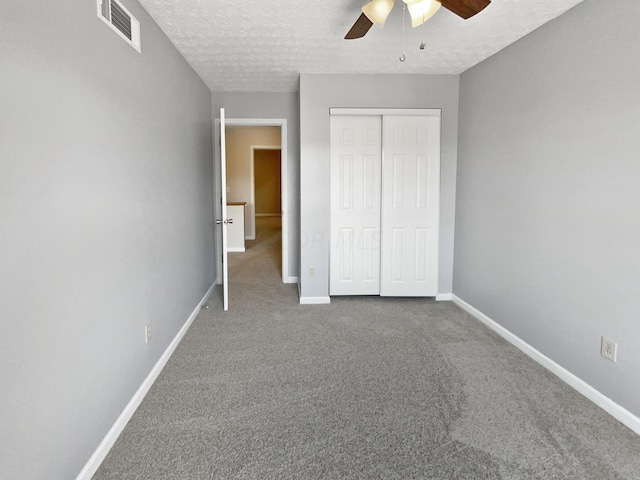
465, 8
360, 28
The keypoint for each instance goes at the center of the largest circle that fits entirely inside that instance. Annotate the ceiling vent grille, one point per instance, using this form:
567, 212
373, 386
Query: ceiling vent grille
114, 14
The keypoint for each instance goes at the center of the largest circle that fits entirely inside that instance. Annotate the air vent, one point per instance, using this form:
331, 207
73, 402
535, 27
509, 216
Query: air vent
114, 14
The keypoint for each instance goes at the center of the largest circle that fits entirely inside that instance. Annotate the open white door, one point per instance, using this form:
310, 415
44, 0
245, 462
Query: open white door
224, 221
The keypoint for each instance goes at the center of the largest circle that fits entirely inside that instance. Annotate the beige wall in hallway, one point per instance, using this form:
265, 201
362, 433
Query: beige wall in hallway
239, 186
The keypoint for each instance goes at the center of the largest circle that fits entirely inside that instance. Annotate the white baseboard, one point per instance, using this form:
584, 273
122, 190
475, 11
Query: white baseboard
250, 237
444, 297
291, 280
101, 452
620, 413
314, 300
236, 250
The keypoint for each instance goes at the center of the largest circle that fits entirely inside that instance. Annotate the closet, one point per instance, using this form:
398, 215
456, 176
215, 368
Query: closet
385, 196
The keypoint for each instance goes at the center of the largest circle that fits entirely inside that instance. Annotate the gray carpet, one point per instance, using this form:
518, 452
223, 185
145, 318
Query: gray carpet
362, 388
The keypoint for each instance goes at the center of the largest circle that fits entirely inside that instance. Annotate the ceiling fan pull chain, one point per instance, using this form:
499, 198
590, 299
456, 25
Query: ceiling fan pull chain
402, 55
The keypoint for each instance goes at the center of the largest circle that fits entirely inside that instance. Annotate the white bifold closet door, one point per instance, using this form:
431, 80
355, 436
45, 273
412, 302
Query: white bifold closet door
385, 205
410, 206
355, 205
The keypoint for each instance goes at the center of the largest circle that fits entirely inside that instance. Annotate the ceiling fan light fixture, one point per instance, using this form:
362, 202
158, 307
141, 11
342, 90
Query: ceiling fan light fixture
377, 11
421, 10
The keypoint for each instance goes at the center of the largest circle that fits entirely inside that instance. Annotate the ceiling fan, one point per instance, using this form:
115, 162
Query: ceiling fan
377, 11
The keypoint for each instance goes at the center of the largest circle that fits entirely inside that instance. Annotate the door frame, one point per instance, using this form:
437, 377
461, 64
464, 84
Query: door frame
284, 187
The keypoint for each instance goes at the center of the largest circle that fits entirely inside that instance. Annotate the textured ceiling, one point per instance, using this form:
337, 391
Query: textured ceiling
263, 46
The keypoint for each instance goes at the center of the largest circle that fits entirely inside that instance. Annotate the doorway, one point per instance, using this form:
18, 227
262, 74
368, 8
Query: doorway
272, 135
267, 181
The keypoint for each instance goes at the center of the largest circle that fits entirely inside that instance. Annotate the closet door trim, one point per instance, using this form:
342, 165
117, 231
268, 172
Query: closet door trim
418, 112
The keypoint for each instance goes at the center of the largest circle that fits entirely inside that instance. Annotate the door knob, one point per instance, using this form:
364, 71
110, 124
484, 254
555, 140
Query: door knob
218, 222
228, 221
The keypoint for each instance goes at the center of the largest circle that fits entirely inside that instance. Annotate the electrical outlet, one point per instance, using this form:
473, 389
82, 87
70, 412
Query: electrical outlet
147, 333
312, 272
609, 349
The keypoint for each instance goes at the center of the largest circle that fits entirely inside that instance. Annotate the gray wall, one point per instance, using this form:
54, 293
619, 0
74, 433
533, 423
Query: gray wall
318, 93
106, 224
548, 222
273, 105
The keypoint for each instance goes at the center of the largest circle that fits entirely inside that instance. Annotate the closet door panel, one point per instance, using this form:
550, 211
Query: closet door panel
410, 206
355, 205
